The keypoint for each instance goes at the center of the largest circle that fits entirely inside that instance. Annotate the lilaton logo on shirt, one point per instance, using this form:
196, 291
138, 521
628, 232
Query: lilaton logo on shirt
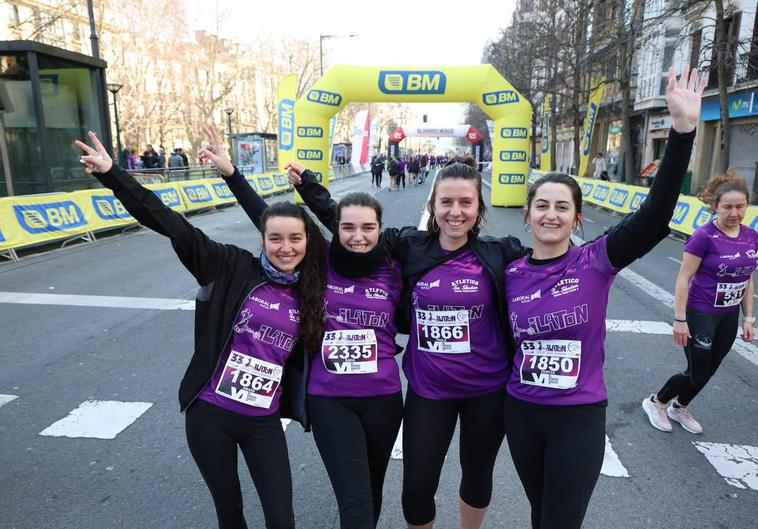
341, 290
526, 298
423, 285
377, 293
465, 285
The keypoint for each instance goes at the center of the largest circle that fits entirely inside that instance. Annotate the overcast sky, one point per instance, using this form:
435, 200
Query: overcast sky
390, 32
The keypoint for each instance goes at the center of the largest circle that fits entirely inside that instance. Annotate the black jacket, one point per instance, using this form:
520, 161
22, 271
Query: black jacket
419, 251
226, 275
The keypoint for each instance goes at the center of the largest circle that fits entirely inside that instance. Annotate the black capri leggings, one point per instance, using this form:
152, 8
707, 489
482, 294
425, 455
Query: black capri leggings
558, 453
213, 435
712, 337
355, 437
428, 428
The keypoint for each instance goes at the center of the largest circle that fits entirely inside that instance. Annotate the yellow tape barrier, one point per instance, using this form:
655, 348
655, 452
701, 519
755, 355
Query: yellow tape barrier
690, 213
34, 219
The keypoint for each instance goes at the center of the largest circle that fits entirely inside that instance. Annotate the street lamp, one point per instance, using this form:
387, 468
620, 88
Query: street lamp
229, 125
113, 88
321, 39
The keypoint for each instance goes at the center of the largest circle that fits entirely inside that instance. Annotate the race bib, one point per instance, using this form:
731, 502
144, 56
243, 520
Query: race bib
443, 331
551, 363
729, 294
350, 352
249, 380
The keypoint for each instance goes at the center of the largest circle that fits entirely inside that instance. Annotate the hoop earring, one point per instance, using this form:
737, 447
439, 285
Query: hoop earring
528, 228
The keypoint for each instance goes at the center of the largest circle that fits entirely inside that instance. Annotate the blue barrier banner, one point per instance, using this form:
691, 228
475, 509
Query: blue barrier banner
49, 216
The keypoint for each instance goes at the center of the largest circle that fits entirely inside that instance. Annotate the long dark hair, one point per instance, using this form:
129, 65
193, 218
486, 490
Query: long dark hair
312, 281
464, 168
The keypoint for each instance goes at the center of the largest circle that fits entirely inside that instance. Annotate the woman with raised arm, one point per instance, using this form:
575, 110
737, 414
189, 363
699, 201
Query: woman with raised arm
456, 361
254, 317
355, 402
557, 302
715, 279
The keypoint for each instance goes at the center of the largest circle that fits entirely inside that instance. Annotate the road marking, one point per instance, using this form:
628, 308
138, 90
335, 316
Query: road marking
27, 298
638, 326
425, 211
97, 419
5, 399
285, 423
611, 463
587, 219
397, 448
674, 259
737, 464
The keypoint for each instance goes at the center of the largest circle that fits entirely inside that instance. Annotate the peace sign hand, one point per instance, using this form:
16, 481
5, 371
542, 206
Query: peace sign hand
683, 99
214, 151
96, 160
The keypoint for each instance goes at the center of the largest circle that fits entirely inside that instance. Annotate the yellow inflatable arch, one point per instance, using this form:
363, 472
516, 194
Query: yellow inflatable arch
307, 139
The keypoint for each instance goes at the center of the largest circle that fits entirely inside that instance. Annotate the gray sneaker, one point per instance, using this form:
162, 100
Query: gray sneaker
656, 414
684, 417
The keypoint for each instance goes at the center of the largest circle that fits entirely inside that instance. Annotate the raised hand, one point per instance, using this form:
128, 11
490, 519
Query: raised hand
95, 160
215, 152
294, 172
683, 99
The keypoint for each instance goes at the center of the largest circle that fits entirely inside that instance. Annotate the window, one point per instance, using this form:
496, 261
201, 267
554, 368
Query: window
752, 65
697, 39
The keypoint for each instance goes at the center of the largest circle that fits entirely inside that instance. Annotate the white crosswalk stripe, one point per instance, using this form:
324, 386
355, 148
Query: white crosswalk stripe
97, 419
737, 464
5, 399
611, 463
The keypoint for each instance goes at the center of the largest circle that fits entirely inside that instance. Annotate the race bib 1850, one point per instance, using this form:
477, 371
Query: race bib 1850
443, 331
249, 380
350, 352
551, 363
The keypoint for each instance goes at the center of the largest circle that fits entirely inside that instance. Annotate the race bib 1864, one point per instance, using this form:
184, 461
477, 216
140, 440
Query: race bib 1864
350, 352
729, 294
551, 363
249, 380
443, 331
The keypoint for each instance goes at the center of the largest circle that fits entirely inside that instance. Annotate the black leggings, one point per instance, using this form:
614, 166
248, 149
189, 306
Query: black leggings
712, 337
355, 438
558, 453
213, 435
428, 428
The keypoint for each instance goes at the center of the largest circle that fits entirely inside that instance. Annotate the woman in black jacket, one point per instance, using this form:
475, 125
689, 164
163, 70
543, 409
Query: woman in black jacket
253, 318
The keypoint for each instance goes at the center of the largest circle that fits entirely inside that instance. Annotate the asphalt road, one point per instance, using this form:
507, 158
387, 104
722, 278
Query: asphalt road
55, 356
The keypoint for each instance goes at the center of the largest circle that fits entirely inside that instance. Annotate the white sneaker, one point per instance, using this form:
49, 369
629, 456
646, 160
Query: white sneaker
683, 416
656, 414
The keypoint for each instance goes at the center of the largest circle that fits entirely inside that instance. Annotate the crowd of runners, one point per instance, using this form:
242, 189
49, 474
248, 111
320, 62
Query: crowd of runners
506, 339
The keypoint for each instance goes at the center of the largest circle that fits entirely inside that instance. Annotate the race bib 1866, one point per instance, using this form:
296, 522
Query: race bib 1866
350, 352
443, 331
249, 380
729, 294
551, 363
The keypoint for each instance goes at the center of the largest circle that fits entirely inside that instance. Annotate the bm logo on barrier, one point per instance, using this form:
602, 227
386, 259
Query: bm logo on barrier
222, 190
618, 197
197, 194
265, 183
412, 82
169, 197
601, 193
325, 98
53, 216
252, 183
501, 97
586, 189
310, 132
280, 180
109, 207
511, 178
680, 212
514, 132
512, 156
286, 118
310, 154
2, 237
703, 217
637, 200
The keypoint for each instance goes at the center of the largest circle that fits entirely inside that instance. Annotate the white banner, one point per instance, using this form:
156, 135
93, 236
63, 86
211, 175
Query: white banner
359, 158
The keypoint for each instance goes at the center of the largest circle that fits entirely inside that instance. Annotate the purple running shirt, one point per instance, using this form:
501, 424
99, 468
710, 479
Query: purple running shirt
357, 356
727, 263
456, 347
557, 314
249, 372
